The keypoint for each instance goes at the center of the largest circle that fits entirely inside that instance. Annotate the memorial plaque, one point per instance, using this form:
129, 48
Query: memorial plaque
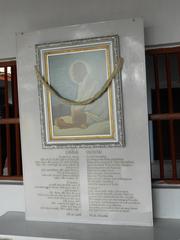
85, 162
78, 69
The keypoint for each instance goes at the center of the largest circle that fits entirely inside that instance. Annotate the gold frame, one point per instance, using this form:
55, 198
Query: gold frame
74, 49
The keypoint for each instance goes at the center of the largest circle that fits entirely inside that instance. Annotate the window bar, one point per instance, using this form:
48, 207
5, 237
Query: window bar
164, 116
8, 143
9, 121
171, 122
16, 114
1, 153
158, 110
1, 168
178, 58
1, 144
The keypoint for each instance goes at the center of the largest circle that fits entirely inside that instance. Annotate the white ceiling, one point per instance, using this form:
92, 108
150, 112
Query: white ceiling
36, 14
161, 17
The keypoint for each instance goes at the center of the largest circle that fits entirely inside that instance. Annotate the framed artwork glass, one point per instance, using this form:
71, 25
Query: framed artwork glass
78, 69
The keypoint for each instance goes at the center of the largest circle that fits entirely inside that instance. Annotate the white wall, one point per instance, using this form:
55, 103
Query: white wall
11, 198
161, 19
166, 202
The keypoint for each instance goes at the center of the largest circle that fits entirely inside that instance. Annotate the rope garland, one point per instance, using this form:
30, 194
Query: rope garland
50, 88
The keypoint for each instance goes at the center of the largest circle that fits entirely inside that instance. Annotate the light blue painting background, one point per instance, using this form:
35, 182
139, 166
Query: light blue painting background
60, 79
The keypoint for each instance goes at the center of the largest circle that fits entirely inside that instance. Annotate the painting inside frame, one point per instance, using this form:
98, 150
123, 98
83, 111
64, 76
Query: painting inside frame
78, 69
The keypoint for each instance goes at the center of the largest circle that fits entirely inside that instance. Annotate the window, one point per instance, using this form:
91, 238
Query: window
10, 150
163, 80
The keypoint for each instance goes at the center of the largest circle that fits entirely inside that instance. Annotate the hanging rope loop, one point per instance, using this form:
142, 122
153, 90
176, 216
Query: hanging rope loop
51, 89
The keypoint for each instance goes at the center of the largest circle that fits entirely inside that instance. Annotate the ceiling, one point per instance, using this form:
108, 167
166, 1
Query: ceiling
23, 15
161, 17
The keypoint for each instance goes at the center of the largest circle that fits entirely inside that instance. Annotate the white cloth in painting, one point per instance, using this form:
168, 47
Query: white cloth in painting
88, 86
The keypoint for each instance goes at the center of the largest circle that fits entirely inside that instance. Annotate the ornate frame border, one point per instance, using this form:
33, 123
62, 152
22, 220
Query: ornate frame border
114, 40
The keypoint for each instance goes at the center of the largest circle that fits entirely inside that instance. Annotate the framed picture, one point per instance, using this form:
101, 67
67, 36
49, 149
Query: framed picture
78, 69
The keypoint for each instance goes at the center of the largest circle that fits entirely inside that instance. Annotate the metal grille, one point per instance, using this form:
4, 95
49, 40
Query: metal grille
10, 147
163, 76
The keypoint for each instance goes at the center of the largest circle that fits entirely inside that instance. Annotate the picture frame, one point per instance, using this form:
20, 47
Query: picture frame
78, 69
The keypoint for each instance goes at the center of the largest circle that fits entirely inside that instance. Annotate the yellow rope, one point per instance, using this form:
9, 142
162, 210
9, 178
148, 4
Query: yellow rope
117, 69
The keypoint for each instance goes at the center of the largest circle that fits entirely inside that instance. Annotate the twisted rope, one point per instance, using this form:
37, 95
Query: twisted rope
50, 88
